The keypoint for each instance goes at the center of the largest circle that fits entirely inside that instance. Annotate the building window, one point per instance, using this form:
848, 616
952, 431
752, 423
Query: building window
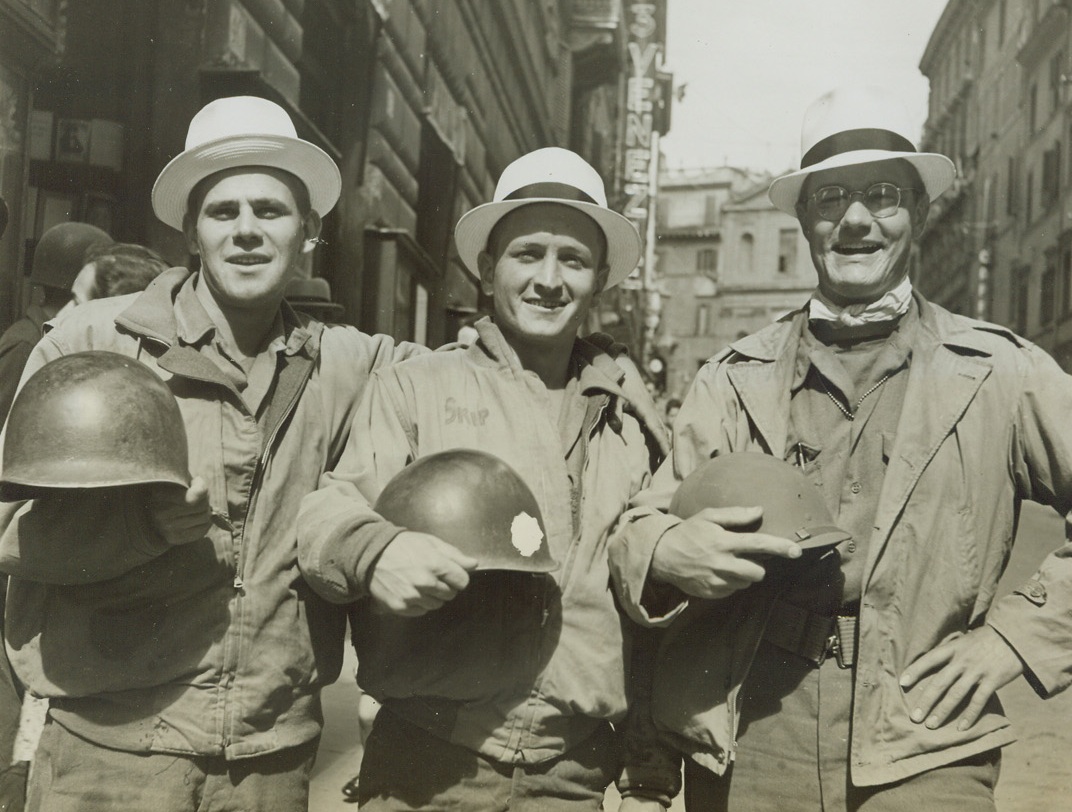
747, 253
703, 317
1032, 110
706, 259
1050, 182
1012, 189
1066, 273
1019, 299
1049, 291
1056, 76
1029, 192
711, 210
787, 250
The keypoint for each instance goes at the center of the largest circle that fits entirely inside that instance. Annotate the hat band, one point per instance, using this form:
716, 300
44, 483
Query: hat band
853, 140
562, 191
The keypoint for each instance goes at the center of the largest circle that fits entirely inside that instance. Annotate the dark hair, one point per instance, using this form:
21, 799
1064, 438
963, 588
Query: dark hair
124, 267
197, 194
493, 235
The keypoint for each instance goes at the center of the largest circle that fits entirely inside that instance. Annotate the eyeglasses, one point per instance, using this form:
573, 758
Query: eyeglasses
881, 199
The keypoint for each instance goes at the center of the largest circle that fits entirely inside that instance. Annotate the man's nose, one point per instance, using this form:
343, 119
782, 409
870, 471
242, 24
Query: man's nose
857, 213
549, 275
246, 224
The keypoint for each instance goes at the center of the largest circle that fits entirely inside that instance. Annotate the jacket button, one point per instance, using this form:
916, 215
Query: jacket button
856, 487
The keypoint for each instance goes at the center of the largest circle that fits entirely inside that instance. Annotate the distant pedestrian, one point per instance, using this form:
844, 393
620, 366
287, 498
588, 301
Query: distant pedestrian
58, 257
116, 269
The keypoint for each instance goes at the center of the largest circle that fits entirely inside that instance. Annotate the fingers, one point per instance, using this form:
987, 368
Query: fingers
418, 573
743, 543
197, 494
181, 517
963, 672
732, 516
933, 659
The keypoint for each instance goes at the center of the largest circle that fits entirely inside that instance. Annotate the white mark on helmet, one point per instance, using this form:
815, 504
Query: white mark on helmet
525, 534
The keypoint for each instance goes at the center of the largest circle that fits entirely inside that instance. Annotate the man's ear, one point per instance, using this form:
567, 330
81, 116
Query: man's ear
486, 265
922, 212
189, 231
312, 225
601, 278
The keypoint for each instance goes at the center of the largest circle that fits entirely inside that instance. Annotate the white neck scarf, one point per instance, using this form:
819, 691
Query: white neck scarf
892, 304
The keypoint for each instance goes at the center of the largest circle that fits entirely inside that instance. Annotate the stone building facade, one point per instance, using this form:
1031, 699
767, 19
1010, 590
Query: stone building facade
422, 103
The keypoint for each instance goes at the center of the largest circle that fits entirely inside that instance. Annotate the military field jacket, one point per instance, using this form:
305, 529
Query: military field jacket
218, 646
986, 423
532, 673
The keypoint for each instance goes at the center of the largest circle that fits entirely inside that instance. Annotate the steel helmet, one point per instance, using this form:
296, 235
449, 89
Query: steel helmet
61, 252
475, 502
792, 506
92, 420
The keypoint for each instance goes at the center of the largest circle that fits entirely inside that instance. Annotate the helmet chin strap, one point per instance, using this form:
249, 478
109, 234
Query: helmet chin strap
890, 305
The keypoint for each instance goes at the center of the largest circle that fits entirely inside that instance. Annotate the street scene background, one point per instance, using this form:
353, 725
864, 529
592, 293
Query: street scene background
687, 107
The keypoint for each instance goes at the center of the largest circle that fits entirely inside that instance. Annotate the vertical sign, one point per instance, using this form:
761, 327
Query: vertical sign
646, 32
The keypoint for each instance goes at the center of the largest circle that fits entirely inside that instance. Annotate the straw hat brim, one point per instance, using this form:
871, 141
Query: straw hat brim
623, 241
936, 171
306, 161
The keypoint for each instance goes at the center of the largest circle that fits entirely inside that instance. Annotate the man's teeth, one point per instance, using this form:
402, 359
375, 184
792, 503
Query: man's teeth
857, 249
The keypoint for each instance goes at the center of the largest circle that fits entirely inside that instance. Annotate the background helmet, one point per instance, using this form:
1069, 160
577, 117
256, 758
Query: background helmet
61, 252
475, 502
792, 506
92, 420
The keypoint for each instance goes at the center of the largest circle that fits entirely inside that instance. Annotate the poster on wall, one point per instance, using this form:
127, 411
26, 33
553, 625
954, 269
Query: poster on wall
72, 140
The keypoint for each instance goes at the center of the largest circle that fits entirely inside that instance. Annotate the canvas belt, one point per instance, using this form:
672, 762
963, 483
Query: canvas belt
812, 636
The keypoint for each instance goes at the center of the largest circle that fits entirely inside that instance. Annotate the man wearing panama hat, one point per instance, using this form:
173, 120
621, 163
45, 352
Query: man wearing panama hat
513, 707
172, 633
863, 678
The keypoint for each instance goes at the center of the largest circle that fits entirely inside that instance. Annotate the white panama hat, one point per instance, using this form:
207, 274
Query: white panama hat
551, 175
243, 131
858, 125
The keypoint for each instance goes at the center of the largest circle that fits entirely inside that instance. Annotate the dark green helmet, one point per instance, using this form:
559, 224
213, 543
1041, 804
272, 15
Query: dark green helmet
792, 506
92, 420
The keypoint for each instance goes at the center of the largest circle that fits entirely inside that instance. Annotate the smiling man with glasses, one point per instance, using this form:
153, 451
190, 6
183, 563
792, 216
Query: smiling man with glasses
863, 676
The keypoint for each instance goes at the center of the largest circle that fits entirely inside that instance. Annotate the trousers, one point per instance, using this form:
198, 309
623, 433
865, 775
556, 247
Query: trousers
71, 774
793, 752
406, 768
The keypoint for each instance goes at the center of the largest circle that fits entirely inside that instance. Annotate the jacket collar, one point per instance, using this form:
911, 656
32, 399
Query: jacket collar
169, 313
764, 386
958, 332
596, 371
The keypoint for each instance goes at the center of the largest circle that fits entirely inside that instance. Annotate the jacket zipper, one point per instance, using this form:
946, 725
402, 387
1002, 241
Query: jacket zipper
258, 474
567, 567
240, 562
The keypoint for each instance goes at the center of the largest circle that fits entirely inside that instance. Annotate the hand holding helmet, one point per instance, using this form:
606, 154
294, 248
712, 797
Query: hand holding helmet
464, 510
418, 573
719, 547
181, 517
712, 554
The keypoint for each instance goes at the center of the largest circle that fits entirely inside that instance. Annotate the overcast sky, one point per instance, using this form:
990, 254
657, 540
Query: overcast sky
753, 66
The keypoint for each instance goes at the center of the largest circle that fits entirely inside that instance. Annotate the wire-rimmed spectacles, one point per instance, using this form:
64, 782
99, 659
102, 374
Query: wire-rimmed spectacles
881, 199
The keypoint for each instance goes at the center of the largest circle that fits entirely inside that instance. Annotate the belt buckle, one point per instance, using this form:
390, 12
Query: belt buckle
833, 646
